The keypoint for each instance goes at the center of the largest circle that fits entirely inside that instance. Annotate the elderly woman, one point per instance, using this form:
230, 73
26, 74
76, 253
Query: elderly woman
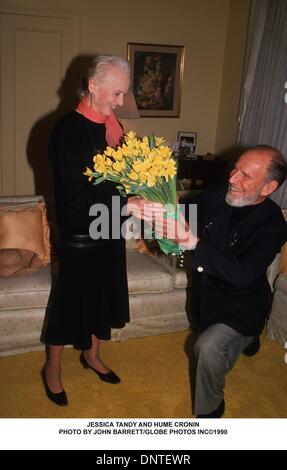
90, 295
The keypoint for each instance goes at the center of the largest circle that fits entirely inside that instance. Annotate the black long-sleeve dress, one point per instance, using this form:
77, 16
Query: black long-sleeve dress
90, 294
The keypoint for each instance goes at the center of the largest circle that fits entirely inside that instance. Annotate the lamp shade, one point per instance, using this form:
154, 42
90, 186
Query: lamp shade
129, 109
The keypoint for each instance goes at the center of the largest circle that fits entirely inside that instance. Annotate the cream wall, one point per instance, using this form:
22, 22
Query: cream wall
202, 26
232, 75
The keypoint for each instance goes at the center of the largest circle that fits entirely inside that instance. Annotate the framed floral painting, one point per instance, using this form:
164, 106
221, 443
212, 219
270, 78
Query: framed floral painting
156, 74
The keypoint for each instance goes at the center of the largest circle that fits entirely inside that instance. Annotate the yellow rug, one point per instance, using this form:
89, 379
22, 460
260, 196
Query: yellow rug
155, 383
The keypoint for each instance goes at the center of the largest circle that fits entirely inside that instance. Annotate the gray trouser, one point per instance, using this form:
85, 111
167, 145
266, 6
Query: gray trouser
217, 349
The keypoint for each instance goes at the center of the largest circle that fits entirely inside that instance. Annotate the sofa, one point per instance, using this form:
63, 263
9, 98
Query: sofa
157, 293
277, 323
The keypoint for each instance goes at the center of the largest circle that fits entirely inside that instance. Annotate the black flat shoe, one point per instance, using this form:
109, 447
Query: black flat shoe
60, 398
109, 377
216, 413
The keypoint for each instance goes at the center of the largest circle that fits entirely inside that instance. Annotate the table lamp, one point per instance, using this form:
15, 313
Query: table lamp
129, 109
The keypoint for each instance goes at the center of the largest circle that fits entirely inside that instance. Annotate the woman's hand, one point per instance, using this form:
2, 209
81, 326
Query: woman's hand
144, 209
173, 229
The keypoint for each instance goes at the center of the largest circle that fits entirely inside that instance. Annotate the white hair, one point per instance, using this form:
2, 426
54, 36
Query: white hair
100, 66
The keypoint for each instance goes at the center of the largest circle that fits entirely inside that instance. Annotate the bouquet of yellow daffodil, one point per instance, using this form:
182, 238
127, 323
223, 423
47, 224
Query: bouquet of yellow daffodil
143, 167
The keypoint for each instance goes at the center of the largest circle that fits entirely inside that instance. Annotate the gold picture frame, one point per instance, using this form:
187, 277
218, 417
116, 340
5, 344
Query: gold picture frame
156, 78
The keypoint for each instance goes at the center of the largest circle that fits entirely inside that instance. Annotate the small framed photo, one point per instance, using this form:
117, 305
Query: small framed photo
187, 142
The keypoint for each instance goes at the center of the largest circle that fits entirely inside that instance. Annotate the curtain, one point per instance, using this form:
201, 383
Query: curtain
263, 107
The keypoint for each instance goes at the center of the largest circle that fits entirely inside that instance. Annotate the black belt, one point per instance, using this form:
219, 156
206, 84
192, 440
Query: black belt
80, 241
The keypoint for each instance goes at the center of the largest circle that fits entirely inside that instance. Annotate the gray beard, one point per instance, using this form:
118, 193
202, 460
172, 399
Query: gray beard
242, 201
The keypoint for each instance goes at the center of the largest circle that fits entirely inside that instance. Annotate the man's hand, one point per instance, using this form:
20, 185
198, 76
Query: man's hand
176, 230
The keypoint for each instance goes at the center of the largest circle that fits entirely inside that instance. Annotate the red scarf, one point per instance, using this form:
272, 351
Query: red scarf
113, 130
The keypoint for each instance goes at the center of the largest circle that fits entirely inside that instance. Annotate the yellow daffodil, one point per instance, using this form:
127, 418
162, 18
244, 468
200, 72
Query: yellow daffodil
100, 164
119, 166
159, 141
133, 176
137, 165
89, 173
109, 151
151, 181
143, 166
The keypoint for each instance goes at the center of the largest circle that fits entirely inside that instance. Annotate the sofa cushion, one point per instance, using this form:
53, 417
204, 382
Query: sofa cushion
27, 291
14, 260
25, 226
24, 235
21, 199
277, 324
20, 330
155, 314
180, 279
283, 259
146, 275
281, 283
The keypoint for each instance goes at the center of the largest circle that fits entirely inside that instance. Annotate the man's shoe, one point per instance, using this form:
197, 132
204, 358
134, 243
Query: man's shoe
216, 413
253, 348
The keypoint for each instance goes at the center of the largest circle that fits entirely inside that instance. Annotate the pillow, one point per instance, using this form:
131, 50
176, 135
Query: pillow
13, 261
24, 238
283, 259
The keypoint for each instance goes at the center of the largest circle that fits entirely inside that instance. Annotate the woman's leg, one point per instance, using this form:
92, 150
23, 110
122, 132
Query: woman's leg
92, 356
53, 370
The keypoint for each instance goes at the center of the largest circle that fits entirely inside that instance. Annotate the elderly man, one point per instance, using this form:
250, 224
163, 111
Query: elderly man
240, 232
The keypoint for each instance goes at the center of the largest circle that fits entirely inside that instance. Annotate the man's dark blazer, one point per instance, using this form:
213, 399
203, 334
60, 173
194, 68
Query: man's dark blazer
229, 264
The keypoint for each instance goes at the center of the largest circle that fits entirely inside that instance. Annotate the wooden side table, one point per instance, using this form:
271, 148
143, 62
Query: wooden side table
201, 172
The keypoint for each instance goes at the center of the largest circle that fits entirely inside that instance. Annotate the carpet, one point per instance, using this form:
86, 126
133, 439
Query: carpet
155, 383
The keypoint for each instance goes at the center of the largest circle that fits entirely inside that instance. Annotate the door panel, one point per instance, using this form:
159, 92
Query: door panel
35, 53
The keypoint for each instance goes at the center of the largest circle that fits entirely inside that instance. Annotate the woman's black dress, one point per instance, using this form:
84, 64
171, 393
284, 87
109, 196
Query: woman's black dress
90, 294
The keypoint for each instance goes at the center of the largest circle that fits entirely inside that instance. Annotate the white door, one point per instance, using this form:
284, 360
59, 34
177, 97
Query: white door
36, 51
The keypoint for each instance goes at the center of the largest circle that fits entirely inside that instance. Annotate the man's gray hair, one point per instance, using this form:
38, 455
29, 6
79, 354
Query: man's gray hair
277, 169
